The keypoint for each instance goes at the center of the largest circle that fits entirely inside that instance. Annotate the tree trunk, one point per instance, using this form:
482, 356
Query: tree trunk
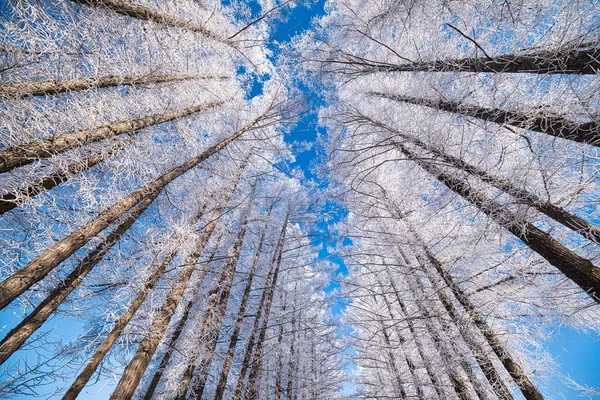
148, 14
252, 390
240, 317
584, 132
560, 215
581, 271
137, 366
19, 156
18, 335
580, 61
46, 88
180, 325
211, 326
10, 200
39, 267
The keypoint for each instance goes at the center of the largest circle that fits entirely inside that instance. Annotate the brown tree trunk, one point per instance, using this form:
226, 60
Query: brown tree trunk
39, 267
581, 271
580, 61
137, 366
10, 200
571, 221
584, 132
46, 88
211, 326
240, 317
18, 335
148, 14
280, 351
19, 156
252, 390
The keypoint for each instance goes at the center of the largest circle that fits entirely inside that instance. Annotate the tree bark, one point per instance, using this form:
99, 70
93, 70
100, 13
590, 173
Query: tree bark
579, 61
19, 156
46, 88
18, 335
137, 366
240, 317
14, 199
148, 14
584, 132
39, 267
581, 271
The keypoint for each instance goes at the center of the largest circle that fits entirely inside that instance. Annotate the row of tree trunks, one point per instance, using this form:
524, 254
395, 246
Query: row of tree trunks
530, 392
579, 60
40, 266
459, 385
411, 364
16, 198
479, 352
252, 388
433, 376
47, 88
137, 366
18, 335
584, 132
228, 362
14, 157
171, 348
559, 214
213, 320
148, 14
581, 271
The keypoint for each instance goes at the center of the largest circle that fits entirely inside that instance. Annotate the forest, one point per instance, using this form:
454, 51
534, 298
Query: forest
299, 199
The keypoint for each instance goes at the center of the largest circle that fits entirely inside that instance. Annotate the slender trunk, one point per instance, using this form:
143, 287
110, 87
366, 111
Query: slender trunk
212, 324
10, 200
137, 366
579, 270
240, 317
584, 132
85, 375
252, 390
39, 267
46, 88
579, 61
19, 156
148, 14
560, 215
435, 380
291, 365
280, 352
400, 392
181, 324
18, 335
